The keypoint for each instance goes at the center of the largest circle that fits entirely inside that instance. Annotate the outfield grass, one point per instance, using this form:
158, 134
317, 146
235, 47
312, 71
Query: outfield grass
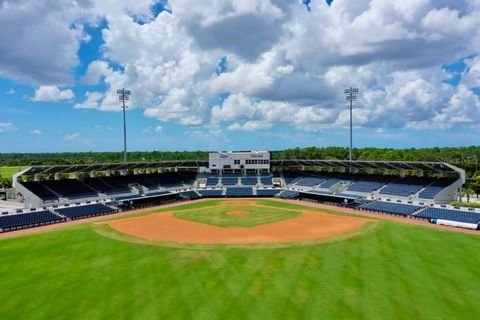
397, 271
8, 172
219, 216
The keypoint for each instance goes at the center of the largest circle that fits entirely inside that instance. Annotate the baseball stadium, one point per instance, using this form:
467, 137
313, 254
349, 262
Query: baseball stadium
239, 159
241, 235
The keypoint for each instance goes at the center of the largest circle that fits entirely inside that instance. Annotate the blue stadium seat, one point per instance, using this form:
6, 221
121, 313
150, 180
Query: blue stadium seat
228, 181
249, 181
391, 207
239, 192
449, 214
80, 212
267, 192
211, 192
288, 194
28, 220
189, 195
266, 181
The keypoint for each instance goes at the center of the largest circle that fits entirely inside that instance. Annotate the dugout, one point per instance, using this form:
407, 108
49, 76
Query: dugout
325, 196
142, 201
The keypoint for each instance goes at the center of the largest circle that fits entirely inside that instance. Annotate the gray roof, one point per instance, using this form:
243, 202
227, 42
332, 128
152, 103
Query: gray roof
412, 165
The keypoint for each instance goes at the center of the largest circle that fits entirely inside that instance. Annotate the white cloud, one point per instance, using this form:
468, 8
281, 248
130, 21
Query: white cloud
10, 91
71, 136
52, 94
6, 126
76, 137
35, 131
92, 100
285, 65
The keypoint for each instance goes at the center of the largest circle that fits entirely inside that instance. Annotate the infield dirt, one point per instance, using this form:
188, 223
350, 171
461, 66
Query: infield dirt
164, 227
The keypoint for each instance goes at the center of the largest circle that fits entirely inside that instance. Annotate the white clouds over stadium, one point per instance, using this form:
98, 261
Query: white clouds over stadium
285, 64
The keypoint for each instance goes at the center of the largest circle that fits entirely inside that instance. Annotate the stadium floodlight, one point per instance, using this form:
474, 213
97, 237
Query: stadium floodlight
351, 95
124, 95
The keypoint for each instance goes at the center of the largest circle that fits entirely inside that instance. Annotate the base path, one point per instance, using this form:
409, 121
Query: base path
164, 227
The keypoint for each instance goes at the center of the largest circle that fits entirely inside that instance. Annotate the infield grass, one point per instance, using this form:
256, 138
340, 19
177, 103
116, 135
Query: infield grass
222, 216
396, 271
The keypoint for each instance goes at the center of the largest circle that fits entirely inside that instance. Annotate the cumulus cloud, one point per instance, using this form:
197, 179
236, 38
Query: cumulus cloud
35, 131
92, 100
52, 94
285, 64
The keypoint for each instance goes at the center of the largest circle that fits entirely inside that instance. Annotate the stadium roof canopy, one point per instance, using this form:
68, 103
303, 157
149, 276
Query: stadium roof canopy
360, 164
364, 164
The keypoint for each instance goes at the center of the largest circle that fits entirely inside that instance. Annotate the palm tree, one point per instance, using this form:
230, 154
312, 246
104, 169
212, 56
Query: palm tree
468, 192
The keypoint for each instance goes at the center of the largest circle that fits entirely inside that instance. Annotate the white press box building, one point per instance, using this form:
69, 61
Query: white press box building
244, 162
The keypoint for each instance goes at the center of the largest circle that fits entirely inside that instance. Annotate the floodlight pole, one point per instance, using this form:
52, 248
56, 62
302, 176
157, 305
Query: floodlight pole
124, 95
351, 96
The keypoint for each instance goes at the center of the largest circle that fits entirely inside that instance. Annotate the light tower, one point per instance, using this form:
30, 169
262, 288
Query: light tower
351, 94
124, 95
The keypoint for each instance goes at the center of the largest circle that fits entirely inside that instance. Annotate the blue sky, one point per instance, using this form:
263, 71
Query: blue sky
238, 75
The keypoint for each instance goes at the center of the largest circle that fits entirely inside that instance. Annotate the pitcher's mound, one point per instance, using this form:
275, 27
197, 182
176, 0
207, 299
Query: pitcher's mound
238, 213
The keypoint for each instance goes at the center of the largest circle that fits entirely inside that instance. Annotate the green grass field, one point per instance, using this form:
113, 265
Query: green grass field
8, 172
395, 271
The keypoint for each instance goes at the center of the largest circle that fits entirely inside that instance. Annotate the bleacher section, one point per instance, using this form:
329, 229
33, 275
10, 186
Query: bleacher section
266, 181
239, 192
228, 181
368, 184
101, 186
28, 220
40, 191
405, 187
249, 181
189, 195
391, 207
211, 192
310, 182
81, 212
288, 194
448, 214
70, 188
212, 182
267, 192
435, 188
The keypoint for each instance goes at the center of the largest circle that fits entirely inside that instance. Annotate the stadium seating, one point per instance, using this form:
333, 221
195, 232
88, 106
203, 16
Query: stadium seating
228, 181
211, 182
267, 192
99, 185
288, 194
28, 220
249, 181
329, 183
391, 207
70, 188
239, 192
405, 186
189, 195
433, 189
366, 185
79, 212
40, 191
448, 214
211, 192
310, 182
266, 181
